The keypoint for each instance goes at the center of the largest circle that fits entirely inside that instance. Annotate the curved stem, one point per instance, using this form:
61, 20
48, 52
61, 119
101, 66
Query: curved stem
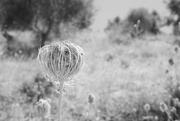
59, 101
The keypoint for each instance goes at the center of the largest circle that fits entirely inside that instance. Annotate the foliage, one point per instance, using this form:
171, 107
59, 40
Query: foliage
36, 90
16, 13
121, 92
174, 7
115, 22
138, 22
148, 20
45, 16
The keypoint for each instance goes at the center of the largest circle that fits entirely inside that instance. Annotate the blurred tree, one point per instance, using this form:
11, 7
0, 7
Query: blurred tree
45, 16
174, 7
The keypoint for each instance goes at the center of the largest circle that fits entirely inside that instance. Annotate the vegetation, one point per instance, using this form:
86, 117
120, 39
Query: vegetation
128, 75
119, 78
148, 21
43, 17
173, 6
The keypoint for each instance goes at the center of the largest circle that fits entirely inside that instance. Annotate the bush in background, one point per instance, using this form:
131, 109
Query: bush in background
148, 20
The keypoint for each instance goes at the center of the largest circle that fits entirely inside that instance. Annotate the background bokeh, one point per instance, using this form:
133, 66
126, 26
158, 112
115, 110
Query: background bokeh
131, 59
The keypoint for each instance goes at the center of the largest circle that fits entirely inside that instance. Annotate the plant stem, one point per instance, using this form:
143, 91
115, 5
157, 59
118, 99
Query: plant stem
59, 101
89, 112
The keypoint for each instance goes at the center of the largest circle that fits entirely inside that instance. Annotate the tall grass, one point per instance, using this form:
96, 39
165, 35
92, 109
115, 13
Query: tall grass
123, 78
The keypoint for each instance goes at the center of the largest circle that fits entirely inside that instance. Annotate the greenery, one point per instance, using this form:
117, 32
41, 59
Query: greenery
122, 81
174, 7
131, 71
28, 14
148, 21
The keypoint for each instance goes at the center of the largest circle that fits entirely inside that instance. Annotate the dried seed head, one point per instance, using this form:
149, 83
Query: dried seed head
171, 62
91, 98
163, 107
147, 107
176, 49
43, 108
61, 60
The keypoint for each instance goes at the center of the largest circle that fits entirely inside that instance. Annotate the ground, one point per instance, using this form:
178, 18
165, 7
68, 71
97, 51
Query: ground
122, 76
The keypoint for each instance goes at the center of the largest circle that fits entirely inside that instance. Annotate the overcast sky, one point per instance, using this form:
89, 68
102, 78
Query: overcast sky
108, 9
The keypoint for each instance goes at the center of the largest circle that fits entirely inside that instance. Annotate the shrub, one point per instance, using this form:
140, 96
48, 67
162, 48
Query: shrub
33, 91
148, 21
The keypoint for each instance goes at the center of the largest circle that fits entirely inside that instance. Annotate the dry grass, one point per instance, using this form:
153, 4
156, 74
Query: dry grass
121, 76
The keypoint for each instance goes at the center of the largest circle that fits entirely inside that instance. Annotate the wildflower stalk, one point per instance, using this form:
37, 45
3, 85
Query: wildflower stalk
59, 101
89, 111
91, 99
61, 61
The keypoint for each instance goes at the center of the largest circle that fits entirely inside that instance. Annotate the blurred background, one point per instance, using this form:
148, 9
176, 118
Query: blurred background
131, 59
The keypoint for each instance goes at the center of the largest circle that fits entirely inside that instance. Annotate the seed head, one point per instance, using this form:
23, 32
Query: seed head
91, 98
43, 108
171, 62
135, 25
163, 107
176, 49
61, 60
156, 118
147, 107
138, 22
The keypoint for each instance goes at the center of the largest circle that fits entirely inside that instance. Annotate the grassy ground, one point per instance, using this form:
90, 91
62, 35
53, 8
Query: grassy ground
123, 77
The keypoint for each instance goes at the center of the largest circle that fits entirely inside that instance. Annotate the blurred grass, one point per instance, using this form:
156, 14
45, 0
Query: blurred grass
121, 76
14, 72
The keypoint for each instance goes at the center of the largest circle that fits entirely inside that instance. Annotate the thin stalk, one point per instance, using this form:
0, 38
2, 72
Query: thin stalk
59, 101
89, 111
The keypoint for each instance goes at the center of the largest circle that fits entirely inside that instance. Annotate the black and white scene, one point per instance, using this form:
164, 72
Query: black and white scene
89, 60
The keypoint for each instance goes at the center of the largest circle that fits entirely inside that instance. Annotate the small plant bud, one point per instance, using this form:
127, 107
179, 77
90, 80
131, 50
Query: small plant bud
43, 108
163, 107
156, 118
147, 107
176, 49
135, 26
56, 93
91, 98
138, 22
171, 62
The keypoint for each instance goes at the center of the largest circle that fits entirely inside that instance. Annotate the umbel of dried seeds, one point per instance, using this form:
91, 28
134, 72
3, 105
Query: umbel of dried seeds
61, 60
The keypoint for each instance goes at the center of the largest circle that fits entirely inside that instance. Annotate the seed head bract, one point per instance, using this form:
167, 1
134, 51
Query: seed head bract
61, 60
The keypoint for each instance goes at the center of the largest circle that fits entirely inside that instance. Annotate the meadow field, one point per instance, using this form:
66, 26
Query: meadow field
124, 74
